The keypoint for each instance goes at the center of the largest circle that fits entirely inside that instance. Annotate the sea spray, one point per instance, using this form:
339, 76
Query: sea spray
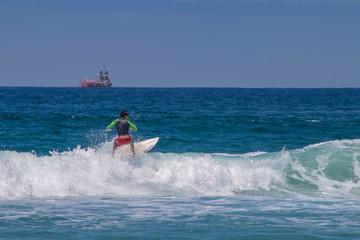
328, 169
76, 172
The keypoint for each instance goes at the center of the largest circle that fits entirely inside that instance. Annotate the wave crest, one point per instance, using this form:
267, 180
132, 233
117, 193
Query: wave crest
329, 169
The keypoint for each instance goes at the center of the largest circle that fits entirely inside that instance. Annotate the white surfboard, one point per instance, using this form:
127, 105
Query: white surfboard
140, 147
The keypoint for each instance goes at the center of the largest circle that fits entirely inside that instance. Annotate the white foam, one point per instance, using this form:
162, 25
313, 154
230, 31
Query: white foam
77, 172
250, 154
313, 121
97, 172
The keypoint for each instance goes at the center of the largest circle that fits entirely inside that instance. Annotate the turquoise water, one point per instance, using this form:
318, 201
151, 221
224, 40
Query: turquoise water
230, 164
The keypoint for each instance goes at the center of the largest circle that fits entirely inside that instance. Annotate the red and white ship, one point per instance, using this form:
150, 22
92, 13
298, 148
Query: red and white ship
102, 80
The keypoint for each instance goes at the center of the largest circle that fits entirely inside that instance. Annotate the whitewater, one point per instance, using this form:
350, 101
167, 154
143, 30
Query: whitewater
230, 164
329, 169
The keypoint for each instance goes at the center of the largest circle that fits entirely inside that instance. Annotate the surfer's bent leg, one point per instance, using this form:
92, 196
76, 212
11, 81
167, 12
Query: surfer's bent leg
114, 146
132, 147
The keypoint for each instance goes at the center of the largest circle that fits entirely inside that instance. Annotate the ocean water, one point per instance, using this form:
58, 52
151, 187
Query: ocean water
230, 164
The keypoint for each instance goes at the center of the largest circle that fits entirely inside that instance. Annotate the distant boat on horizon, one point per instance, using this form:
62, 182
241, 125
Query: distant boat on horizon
102, 81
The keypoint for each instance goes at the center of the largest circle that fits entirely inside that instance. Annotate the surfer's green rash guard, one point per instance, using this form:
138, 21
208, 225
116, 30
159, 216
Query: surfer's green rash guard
123, 129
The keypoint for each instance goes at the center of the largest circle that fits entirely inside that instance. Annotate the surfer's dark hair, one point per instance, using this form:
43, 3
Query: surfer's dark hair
124, 113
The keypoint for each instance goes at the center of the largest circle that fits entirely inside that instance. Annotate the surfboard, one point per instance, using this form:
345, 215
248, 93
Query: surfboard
140, 147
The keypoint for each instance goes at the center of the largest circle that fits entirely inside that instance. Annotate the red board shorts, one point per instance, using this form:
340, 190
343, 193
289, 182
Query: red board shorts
122, 141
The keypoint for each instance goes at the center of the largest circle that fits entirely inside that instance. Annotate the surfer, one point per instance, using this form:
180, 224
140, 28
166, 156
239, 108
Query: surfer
122, 128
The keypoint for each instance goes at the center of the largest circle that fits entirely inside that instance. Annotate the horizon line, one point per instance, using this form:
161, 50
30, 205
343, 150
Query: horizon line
185, 87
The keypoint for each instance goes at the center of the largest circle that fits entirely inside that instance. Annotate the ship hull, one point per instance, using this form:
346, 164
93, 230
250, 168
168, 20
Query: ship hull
102, 81
94, 85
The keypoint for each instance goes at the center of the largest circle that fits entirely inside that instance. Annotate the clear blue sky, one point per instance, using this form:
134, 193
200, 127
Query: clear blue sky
183, 43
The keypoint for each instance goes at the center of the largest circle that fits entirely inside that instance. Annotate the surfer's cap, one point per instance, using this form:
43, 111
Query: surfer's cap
124, 113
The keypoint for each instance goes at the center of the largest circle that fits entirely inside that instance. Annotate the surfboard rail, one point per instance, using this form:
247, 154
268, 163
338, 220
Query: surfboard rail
140, 147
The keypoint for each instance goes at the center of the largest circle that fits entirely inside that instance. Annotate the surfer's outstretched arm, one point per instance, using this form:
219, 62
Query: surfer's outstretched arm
133, 127
112, 124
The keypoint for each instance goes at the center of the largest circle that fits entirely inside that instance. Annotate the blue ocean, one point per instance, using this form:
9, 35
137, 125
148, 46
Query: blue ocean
231, 163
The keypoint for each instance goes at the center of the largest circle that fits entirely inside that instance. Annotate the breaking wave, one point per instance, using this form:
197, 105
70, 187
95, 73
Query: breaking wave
324, 170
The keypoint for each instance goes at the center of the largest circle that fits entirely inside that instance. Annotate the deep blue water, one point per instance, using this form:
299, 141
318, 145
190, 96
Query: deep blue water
230, 164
